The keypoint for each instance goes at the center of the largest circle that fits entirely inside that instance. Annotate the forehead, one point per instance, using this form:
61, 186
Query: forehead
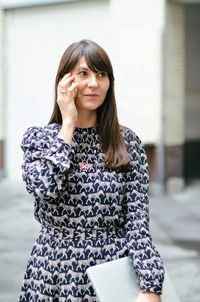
82, 63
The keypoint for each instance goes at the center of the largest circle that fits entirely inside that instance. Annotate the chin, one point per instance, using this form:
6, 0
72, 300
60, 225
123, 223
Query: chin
90, 107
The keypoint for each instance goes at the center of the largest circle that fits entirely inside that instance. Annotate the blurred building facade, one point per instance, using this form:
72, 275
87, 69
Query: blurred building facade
154, 47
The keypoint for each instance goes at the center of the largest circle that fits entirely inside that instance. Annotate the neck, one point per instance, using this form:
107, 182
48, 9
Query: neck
86, 119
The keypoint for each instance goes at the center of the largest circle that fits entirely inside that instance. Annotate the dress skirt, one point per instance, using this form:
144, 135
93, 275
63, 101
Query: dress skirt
56, 270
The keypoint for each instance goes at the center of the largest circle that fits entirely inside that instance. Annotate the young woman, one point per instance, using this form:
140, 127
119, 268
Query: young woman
89, 177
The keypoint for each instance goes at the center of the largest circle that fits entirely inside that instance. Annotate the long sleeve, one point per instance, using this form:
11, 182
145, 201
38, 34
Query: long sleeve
46, 163
145, 257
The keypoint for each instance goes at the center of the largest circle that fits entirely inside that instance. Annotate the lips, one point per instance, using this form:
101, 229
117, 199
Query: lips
91, 95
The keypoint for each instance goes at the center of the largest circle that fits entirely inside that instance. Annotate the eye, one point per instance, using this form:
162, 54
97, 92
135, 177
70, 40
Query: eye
83, 73
102, 74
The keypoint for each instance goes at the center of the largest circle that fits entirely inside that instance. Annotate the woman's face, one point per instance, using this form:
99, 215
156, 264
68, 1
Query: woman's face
92, 86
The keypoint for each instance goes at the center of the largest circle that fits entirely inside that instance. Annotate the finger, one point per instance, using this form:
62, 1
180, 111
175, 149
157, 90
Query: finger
63, 79
73, 86
66, 81
63, 88
67, 75
73, 89
69, 89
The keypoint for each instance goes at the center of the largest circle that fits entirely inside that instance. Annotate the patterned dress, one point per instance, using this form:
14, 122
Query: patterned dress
88, 215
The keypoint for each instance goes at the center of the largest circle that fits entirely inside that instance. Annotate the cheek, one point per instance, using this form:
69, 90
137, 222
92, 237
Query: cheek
106, 90
81, 89
80, 86
107, 85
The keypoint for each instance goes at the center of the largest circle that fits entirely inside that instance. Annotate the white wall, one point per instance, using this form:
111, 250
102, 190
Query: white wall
137, 30
174, 101
2, 86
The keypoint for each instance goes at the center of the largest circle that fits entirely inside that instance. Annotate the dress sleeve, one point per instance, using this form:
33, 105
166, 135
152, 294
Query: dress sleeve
145, 258
45, 164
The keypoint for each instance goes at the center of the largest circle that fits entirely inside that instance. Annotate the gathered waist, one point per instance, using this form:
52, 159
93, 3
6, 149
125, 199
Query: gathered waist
80, 231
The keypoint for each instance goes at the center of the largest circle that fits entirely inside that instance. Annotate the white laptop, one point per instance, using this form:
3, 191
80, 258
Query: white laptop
116, 281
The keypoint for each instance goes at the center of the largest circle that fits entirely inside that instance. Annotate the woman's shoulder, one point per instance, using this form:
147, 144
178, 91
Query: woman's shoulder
129, 135
133, 142
38, 131
37, 135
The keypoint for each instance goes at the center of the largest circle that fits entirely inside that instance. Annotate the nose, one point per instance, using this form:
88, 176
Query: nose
93, 82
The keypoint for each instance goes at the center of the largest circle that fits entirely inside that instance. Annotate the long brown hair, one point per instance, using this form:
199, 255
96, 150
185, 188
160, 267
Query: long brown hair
112, 141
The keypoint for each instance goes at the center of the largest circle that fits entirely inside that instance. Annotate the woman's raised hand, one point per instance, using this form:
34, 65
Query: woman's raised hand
66, 91
148, 297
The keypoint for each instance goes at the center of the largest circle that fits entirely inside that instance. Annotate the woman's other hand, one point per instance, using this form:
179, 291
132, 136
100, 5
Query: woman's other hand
65, 98
148, 297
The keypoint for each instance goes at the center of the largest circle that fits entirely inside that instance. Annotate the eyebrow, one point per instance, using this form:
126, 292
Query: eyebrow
83, 68
86, 68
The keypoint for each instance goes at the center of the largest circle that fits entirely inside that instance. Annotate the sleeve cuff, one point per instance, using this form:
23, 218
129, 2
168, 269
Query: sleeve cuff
58, 155
154, 286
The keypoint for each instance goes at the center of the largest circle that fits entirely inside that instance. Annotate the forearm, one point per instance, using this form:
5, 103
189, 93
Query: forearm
66, 131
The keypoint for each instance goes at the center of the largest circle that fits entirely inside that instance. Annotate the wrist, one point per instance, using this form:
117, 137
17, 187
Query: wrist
66, 131
148, 297
68, 124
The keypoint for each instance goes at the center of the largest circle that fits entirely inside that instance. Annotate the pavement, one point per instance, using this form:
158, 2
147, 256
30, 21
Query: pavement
174, 227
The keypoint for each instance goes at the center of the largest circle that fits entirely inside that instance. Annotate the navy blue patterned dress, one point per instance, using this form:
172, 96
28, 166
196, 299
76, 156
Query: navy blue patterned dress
88, 216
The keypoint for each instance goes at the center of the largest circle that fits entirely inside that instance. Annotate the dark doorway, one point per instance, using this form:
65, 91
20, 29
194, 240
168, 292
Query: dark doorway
192, 93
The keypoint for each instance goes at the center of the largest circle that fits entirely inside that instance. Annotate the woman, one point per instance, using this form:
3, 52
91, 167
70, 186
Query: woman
89, 177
